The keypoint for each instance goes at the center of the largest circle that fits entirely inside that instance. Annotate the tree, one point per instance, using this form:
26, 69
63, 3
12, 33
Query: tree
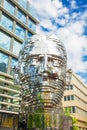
74, 120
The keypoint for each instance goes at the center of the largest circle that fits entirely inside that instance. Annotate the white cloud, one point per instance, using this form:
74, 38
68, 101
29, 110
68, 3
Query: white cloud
75, 43
47, 23
76, 27
45, 8
57, 3
73, 4
71, 33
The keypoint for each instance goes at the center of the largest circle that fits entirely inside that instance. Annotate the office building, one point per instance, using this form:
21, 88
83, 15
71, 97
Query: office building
75, 99
17, 23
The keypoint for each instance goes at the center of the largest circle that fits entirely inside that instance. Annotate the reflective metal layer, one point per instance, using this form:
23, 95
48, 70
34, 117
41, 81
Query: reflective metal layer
42, 71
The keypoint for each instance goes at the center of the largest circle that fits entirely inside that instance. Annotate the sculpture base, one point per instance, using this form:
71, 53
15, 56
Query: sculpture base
45, 121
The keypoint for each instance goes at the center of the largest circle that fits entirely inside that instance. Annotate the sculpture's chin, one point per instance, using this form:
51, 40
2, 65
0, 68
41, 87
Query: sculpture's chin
46, 95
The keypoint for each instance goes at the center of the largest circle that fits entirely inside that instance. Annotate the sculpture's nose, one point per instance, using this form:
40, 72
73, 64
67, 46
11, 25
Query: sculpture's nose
45, 64
47, 72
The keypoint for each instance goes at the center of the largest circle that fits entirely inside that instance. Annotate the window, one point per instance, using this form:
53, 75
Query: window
73, 109
65, 99
68, 97
71, 86
7, 22
23, 3
3, 62
1, 98
29, 35
9, 6
14, 62
32, 10
16, 47
32, 25
72, 97
0, 1
20, 31
4, 40
21, 16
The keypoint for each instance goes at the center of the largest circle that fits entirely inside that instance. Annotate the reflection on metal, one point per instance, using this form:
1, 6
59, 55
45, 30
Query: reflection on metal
42, 73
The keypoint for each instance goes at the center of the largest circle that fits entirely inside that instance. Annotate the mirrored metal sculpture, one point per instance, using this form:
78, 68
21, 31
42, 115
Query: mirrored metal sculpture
42, 73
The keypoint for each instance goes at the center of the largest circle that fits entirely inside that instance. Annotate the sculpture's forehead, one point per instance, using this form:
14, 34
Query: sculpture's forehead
45, 46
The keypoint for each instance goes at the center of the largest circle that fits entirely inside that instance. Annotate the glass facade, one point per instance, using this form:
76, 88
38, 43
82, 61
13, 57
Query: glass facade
23, 3
16, 47
3, 62
14, 29
14, 62
13, 32
32, 25
20, 31
5, 40
6, 22
29, 35
32, 10
21, 16
9, 6
0, 1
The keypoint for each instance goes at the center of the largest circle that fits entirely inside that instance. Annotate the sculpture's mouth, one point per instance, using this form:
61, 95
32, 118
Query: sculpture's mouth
45, 92
49, 75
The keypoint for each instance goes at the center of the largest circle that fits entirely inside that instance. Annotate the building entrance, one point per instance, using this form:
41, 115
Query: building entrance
8, 121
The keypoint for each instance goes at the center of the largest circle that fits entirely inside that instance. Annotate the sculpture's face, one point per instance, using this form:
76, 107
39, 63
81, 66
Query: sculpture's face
43, 70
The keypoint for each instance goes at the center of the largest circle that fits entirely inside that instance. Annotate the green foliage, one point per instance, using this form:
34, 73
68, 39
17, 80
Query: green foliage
38, 120
35, 120
30, 123
75, 128
67, 111
74, 120
86, 123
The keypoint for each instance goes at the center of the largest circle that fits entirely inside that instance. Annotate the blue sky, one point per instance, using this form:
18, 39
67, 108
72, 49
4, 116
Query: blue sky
67, 19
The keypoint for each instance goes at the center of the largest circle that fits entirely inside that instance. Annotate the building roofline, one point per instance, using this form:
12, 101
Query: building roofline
80, 80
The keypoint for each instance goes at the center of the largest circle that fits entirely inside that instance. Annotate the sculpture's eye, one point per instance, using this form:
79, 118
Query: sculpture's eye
41, 58
55, 63
50, 59
34, 62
